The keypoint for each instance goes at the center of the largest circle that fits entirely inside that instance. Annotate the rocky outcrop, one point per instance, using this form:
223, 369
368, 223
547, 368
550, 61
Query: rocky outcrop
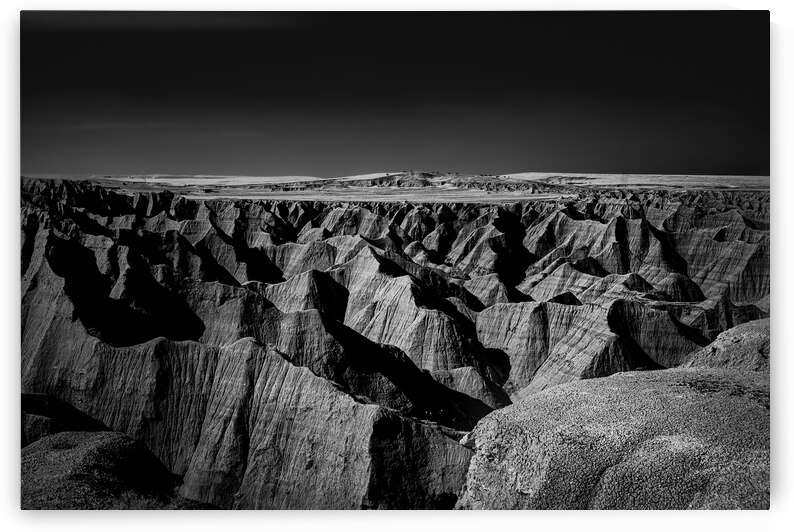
292, 440
96, 471
225, 419
43, 415
745, 346
489, 289
309, 290
672, 439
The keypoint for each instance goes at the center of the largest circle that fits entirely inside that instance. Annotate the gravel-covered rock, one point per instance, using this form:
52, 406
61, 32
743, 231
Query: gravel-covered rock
669, 439
96, 471
745, 346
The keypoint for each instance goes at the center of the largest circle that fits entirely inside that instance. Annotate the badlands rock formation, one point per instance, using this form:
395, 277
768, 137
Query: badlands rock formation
273, 353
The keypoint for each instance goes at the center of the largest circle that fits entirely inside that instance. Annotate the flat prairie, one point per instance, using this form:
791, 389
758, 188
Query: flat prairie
422, 187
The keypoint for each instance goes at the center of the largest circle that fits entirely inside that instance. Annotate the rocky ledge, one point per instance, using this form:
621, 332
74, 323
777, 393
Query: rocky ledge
669, 439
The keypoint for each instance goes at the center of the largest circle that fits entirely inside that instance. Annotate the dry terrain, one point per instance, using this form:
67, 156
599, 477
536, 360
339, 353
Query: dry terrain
411, 340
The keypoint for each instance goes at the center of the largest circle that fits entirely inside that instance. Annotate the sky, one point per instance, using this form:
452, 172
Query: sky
332, 94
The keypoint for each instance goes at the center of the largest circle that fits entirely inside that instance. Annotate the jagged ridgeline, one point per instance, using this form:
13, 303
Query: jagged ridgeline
307, 354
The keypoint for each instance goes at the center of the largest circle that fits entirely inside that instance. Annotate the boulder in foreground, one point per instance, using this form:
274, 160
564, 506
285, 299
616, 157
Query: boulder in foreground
96, 471
668, 439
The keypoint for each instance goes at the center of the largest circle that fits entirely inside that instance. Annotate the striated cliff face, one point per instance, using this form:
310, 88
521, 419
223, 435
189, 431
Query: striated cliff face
307, 354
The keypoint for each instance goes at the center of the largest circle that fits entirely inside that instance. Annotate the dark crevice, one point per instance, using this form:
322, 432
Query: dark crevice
145, 310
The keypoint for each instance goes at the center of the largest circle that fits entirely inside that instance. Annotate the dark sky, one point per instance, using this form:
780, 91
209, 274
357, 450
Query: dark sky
347, 93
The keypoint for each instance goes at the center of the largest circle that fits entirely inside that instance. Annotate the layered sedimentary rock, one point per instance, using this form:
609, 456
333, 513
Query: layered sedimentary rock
230, 420
553, 343
261, 347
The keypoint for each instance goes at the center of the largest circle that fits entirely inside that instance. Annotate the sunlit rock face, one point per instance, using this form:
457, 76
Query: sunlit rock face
671, 439
275, 353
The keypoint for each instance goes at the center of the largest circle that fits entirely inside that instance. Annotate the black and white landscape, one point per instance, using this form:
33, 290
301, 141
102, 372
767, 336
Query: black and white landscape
295, 352
408, 339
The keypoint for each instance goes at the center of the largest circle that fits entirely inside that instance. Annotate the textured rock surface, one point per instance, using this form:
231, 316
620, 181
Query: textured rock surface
325, 354
232, 420
96, 471
43, 415
672, 439
746, 346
